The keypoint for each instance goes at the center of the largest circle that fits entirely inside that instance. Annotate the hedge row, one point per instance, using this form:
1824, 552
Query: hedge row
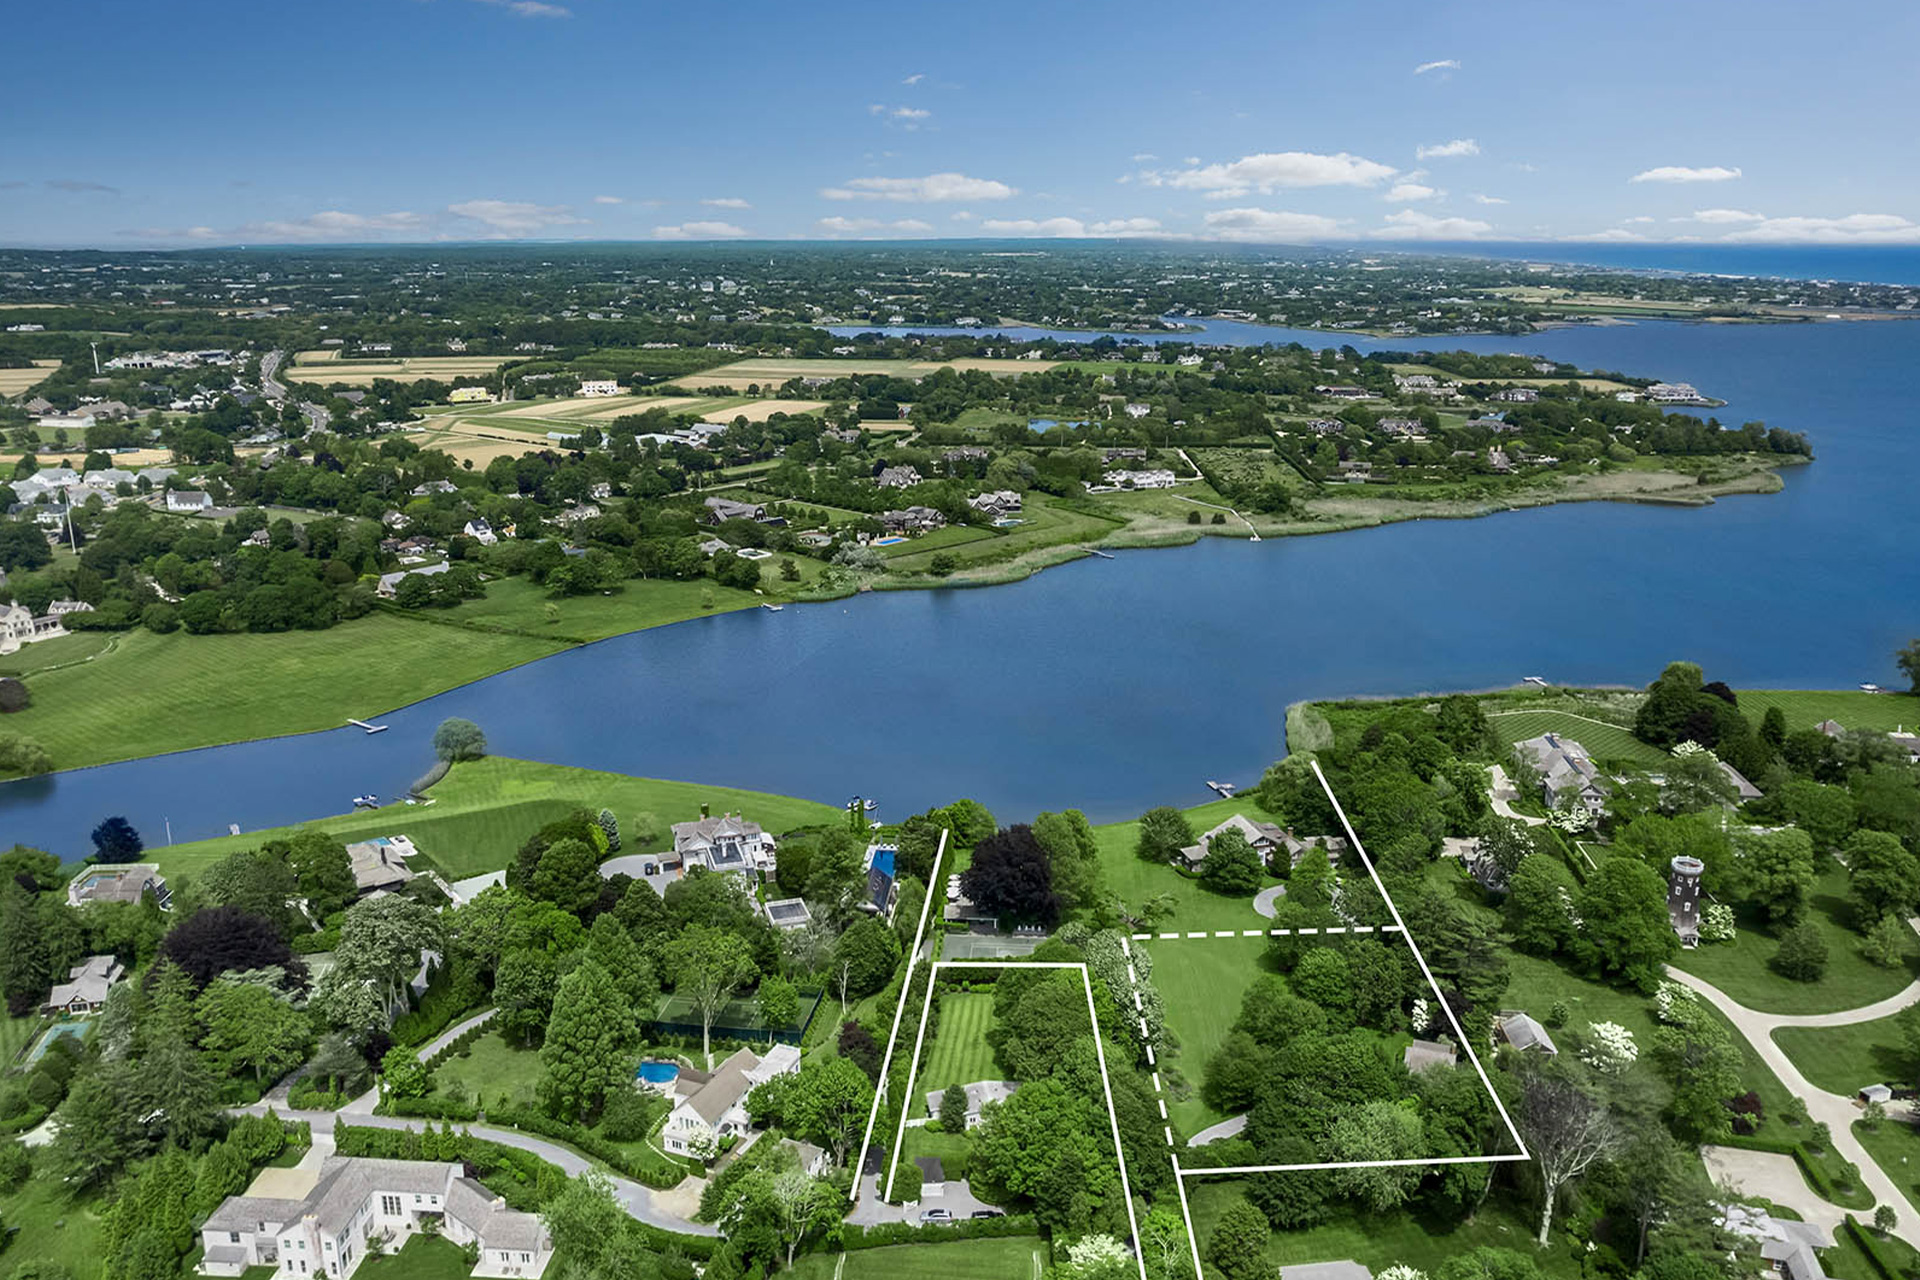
452, 993
888, 1233
433, 1108
26, 1120
455, 1045
1869, 1244
1816, 1176
584, 1139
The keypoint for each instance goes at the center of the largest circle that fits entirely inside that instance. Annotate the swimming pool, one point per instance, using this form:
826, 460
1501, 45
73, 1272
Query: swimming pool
1007, 522
657, 1074
74, 1028
889, 541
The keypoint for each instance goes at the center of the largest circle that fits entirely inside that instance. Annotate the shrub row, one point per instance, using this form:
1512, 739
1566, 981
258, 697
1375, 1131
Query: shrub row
453, 1047
433, 1108
886, 1233
26, 1120
453, 992
1869, 1243
639, 1168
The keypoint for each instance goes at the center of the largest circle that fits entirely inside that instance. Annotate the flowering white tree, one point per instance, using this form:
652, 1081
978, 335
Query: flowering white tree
1674, 1004
1097, 1257
1716, 925
1401, 1271
1572, 819
1610, 1048
1421, 1016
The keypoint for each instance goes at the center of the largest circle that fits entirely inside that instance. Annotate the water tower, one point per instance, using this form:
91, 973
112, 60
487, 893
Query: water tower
1683, 898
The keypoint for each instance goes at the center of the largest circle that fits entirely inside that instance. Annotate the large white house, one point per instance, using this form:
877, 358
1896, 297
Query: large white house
356, 1205
18, 626
710, 1109
726, 843
86, 987
599, 387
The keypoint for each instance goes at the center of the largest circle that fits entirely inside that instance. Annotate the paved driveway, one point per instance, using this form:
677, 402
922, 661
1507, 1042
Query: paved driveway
1772, 1177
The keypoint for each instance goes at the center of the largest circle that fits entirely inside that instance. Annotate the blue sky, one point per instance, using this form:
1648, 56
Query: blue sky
202, 123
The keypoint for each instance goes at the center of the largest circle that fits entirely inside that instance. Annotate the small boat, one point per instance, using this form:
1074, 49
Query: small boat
1226, 789
366, 802
1871, 688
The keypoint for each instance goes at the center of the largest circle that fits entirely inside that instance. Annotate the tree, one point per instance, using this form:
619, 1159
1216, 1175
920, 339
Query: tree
830, 1101
1011, 878
1886, 942
779, 1002
567, 875
23, 755
523, 992
255, 881
589, 1042
1825, 813
586, 1220
1073, 855
214, 940
1097, 1257
247, 1025
1231, 866
1624, 911
707, 966
1908, 660
115, 840
610, 825
1238, 1245
794, 1197
1695, 781
1885, 877
953, 1109
866, 956
403, 1075
1164, 832
25, 973
857, 1045
1703, 1065
611, 946
98, 1134
323, 870
1777, 868
1376, 1131
1567, 1130
1539, 906
458, 739
1803, 953
383, 941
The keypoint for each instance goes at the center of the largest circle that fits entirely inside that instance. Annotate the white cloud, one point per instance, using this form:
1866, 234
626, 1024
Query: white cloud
906, 117
915, 78
1124, 227
1271, 170
1448, 150
930, 189
838, 226
1680, 173
171, 233
530, 8
1443, 64
1267, 225
1722, 217
962, 215
1609, 236
333, 224
1066, 227
1411, 224
726, 202
699, 231
514, 217
1637, 219
609, 199
1402, 192
1144, 157
1855, 228
910, 113
1481, 198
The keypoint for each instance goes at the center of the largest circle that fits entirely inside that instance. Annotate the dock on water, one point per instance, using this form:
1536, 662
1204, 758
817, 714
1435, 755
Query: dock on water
370, 728
1225, 789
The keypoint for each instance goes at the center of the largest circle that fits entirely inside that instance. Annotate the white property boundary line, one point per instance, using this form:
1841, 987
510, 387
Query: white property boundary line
1399, 926
906, 984
1099, 1048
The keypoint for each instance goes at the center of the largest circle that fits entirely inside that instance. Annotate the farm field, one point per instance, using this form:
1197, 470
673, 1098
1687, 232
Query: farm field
15, 382
1201, 983
764, 371
327, 367
483, 810
1743, 968
1012, 1258
1604, 741
959, 1054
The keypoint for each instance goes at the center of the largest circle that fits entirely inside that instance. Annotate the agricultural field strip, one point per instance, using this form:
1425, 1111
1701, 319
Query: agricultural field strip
1398, 926
1099, 1048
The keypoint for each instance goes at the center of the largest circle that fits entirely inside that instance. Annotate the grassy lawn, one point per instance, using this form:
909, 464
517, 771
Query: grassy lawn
1743, 968
1383, 1241
1895, 1147
1604, 741
483, 811
954, 535
1201, 982
1844, 1059
490, 1071
420, 1258
47, 1224
1805, 708
155, 693
1044, 523
952, 1150
16, 1034
1195, 907
960, 1053
514, 604
1014, 1258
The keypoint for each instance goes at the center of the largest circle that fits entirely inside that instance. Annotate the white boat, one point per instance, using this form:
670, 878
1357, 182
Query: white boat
366, 802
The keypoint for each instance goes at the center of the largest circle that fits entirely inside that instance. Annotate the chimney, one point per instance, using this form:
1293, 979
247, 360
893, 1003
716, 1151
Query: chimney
706, 811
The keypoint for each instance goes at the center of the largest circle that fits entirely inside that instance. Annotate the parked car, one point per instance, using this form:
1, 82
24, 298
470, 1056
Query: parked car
936, 1217
987, 1213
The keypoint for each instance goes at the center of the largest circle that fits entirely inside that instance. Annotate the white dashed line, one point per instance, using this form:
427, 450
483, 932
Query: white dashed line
1169, 1132
1198, 934
1253, 933
1163, 1107
1156, 1082
1149, 1055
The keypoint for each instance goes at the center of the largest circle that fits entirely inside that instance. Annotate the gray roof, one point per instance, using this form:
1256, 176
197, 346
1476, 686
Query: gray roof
1522, 1032
727, 1086
1424, 1054
1345, 1269
251, 1213
347, 1181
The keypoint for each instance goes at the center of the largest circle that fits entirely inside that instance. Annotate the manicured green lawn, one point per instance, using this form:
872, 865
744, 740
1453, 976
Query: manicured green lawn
420, 1258
484, 810
1013, 1258
952, 1150
1385, 1240
1043, 523
1843, 1060
1602, 741
48, 1224
1743, 968
490, 1071
16, 1034
156, 693
1895, 1147
1195, 907
1201, 983
1805, 708
519, 605
959, 1054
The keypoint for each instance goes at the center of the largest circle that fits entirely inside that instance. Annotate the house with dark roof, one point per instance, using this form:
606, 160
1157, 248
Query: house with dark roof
86, 987
1566, 771
1264, 837
117, 882
357, 1205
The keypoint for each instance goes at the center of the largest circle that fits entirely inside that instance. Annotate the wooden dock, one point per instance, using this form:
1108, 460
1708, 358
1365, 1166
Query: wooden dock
370, 728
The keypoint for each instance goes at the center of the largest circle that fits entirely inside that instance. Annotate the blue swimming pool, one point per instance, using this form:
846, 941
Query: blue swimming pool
892, 541
657, 1073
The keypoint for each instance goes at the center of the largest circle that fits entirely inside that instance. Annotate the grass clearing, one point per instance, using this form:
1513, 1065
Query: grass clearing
485, 809
48, 1224
1603, 741
1011, 1258
517, 605
1743, 968
771, 372
1201, 982
422, 1257
155, 693
1805, 708
492, 1072
1844, 1060
960, 1053
326, 368
1194, 906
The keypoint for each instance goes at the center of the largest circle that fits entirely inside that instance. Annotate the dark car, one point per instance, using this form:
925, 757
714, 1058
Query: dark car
987, 1213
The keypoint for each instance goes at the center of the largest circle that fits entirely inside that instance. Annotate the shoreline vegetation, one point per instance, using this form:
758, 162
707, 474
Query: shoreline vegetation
195, 692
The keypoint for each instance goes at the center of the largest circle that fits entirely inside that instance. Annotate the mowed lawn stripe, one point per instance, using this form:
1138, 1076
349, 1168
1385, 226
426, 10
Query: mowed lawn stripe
1014, 1258
1602, 741
959, 1054
1201, 984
